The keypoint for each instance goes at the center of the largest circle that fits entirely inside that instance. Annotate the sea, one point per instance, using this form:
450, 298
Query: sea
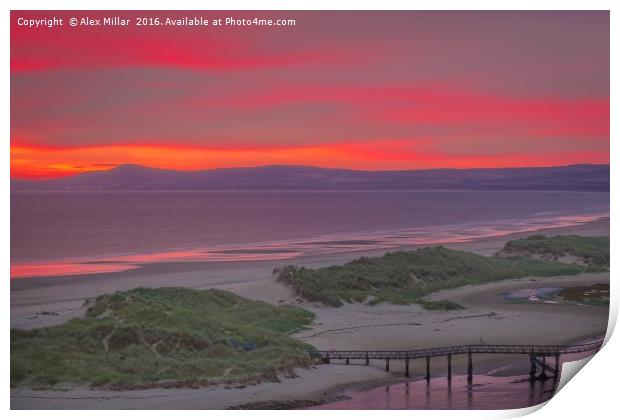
65, 233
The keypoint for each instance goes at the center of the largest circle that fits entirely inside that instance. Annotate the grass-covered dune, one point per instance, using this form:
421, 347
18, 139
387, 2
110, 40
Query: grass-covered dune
405, 277
163, 338
588, 251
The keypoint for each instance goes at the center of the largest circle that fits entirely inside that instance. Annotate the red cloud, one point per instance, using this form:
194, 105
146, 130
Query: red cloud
161, 46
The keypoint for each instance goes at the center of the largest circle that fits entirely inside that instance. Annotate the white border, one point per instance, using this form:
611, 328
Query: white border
592, 394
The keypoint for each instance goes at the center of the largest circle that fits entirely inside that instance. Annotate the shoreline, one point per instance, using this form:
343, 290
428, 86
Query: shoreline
33, 299
287, 249
355, 326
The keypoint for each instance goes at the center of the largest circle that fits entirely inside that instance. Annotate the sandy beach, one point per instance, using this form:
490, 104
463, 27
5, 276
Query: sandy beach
231, 209
486, 318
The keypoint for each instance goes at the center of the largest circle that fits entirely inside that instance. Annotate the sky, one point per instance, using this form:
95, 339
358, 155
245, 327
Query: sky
360, 90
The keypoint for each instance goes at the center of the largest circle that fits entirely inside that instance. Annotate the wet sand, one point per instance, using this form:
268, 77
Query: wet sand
311, 384
45, 301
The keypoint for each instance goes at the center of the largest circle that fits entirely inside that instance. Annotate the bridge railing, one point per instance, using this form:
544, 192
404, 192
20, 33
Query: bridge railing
463, 349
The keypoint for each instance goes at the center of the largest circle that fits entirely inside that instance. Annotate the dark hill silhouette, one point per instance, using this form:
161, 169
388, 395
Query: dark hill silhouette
283, 177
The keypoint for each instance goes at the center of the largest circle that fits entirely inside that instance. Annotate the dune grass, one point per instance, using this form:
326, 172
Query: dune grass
589, 251
163, 337
405, 277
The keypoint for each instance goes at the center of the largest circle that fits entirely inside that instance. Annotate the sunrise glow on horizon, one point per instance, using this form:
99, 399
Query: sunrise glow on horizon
410, 90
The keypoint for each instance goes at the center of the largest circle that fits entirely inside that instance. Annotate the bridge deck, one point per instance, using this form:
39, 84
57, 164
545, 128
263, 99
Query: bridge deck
540, 350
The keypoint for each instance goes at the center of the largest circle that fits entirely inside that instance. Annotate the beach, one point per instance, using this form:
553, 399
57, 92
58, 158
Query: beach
37, 302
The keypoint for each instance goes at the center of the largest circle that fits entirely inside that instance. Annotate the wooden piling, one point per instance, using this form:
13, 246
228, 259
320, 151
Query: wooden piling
543, 374
449, 367
532, 367
428, 368
387, 365
407, 368
470, 368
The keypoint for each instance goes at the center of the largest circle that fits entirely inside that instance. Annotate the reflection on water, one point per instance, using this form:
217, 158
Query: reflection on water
486, 392
541, 294
596, 294
287, 249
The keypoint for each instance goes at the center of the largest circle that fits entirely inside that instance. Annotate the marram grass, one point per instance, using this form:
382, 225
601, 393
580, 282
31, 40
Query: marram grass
163, 337
405, 277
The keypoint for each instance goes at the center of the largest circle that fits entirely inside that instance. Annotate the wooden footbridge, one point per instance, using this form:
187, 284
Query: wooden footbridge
538, 356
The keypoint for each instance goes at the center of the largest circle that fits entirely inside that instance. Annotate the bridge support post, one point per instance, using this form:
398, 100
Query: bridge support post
348, 361
557, 365
407, 368
543, 375
470, 368
428, 369
367, 359
387, 365
449, 367
532, 367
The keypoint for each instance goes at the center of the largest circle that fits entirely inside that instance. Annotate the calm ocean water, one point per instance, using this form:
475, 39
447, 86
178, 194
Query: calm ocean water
68, 233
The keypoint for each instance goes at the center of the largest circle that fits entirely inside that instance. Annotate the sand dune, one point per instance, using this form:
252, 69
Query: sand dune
38, 302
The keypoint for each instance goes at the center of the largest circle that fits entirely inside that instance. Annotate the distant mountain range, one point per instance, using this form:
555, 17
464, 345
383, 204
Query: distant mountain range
282, 177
